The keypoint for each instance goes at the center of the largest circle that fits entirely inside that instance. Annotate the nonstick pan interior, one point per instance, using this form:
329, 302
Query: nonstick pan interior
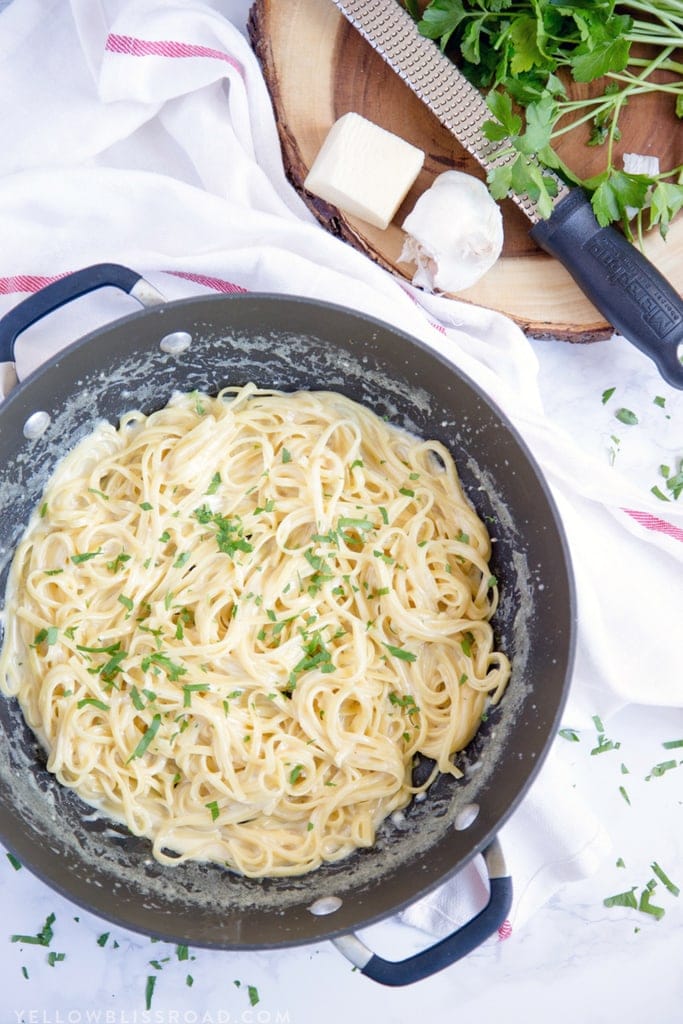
291, 343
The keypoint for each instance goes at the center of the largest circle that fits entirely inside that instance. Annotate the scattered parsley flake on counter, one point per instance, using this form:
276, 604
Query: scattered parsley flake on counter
625, 795
569, 734
182, 952
622, 899
54, 958
102, 939
189, 981
607, 394
664, 879
24, 971
626, 416
660, 769
660, 401
672, 744
254, 997
646, 906
16, 864
149, 990
620, 862
43, 938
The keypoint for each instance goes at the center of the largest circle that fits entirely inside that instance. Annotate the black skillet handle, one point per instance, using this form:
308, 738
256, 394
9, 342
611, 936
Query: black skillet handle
433, 959
627, 289
54, 295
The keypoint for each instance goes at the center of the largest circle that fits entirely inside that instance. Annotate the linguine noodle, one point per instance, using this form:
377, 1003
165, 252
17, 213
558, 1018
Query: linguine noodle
234, 623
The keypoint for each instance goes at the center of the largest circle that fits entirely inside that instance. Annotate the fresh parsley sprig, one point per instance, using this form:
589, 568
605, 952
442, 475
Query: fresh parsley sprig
521, 53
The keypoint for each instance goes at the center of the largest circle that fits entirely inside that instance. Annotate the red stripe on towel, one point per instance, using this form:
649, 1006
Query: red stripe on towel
654, 523
217, 284
133, 47
26, 283
505, 930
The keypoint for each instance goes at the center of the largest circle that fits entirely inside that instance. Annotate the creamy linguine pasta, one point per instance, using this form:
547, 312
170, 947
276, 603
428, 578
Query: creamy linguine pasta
234, 623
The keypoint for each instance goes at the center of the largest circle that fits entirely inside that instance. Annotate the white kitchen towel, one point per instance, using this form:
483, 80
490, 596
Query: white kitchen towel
141, 132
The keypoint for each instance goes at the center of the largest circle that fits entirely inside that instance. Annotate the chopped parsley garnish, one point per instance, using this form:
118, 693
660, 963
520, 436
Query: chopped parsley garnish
286, 455
403, 702
120, 560
400, 652
229, 532
607, 394
146, 738
316, 655
215, 483
466, 644
295, 773
85, 557
94, 702
213, 808
159, 660
189, 689
46, 636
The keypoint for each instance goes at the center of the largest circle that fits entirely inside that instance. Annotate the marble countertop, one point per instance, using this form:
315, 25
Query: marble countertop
575, 959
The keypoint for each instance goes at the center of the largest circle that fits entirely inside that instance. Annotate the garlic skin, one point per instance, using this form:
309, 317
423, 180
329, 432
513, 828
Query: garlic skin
637, 163
454, 233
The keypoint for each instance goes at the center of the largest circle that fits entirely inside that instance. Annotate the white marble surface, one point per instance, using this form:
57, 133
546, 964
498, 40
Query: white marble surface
574, 960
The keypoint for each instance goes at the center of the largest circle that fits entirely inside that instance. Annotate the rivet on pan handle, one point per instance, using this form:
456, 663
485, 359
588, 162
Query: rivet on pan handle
455, 946
63, 290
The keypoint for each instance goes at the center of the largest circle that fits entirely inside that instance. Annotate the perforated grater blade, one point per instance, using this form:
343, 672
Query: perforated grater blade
458, 105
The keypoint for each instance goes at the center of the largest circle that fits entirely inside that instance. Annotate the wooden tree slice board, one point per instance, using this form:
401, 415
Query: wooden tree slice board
317, 67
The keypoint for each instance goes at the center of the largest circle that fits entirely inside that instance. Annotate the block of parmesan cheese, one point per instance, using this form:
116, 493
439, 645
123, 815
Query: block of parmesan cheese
364, 170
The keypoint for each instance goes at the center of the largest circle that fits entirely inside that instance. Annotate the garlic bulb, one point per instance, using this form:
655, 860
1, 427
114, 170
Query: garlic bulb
454, 233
